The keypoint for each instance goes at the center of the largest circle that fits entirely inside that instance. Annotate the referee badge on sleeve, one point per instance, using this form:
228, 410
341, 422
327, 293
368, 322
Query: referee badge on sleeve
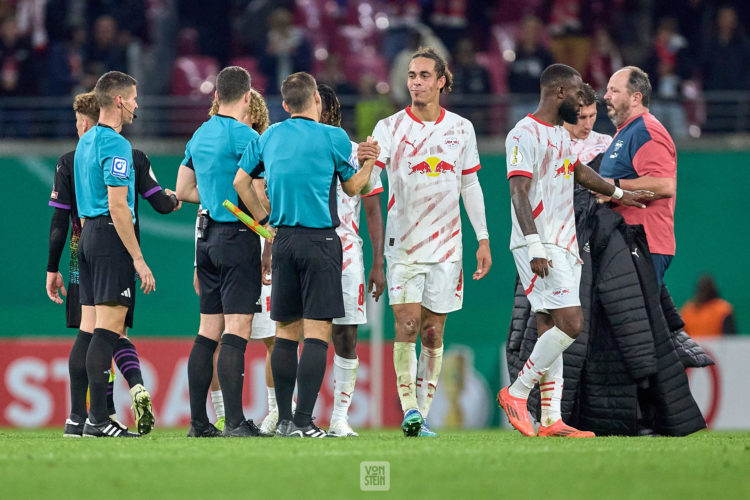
119, 167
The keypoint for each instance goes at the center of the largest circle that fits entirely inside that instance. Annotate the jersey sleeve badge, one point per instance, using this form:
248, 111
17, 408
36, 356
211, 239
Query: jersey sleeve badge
119, 167
516, 158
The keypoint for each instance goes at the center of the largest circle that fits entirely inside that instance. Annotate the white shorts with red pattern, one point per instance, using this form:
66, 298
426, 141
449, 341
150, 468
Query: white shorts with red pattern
559, 289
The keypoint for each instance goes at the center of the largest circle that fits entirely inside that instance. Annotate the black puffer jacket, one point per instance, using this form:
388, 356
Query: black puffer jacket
623, 372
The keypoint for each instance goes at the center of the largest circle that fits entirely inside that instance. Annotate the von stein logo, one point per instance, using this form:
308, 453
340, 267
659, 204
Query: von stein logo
374, 476
432, 166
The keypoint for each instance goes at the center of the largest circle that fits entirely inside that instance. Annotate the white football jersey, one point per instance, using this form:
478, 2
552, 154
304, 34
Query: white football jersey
592, 146
349, 211
424, 163
543, 153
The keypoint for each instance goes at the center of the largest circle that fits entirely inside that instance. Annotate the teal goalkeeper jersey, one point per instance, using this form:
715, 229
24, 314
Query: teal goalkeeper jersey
102, 158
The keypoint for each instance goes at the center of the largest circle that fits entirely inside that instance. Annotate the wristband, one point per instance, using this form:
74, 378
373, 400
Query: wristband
617, 182
617, 194
264, 220
536, 249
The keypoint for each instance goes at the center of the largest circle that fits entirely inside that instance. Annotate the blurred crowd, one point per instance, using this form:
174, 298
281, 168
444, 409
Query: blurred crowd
362, 47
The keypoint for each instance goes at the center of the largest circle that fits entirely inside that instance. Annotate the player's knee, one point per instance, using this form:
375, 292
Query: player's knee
431, 337
409, 328
573, 326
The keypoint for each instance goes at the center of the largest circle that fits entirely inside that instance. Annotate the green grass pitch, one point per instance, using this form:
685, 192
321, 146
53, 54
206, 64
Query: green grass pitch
458, 465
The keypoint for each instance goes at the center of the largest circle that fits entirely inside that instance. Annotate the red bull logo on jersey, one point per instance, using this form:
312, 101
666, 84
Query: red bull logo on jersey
565, 169
560, 292
432, 166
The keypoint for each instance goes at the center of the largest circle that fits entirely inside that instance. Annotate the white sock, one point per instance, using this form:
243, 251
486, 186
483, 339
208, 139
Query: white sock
344, 379
549, 346
428, 372
551, 387
271, 399
218, 400
405, 364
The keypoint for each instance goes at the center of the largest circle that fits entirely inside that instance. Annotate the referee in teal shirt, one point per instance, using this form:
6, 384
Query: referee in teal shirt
109, 252
302, 161
227, 257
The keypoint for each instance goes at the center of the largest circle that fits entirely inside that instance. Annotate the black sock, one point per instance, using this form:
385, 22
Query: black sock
111, 397
284, 370
231, 370
79, 380
98, 364
126, 359
200, 371
310, 372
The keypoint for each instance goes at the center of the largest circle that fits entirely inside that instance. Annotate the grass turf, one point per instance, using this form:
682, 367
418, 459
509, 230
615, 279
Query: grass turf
457, 465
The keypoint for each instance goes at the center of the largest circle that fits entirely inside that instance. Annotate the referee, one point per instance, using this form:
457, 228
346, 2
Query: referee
109, 252
227, 257
63, 199
302, 161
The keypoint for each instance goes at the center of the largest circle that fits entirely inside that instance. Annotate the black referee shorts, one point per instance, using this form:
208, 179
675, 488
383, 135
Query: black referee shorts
105, 267
228, 264
306, 275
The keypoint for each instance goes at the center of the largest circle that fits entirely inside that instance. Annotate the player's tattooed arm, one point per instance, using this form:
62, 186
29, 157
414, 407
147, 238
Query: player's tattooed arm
519, 196
588, 178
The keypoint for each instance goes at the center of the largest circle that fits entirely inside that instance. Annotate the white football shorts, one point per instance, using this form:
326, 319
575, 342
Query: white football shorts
439, 287
263, 326
353, 286
559, 289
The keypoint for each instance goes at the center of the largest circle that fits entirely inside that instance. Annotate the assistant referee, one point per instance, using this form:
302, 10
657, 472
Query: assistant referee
302, 160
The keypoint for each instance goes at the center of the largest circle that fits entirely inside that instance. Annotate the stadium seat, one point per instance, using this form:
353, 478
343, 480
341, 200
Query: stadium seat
495, 65
190, 72
193, 76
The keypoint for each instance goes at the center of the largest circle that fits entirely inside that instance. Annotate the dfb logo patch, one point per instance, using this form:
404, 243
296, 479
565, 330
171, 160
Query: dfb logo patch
119, 167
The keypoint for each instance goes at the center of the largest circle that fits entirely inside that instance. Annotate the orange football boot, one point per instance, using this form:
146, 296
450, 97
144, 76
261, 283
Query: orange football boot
518, 415
561, 429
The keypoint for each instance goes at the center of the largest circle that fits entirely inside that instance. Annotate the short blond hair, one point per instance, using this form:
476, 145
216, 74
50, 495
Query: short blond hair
257, 111
87, 105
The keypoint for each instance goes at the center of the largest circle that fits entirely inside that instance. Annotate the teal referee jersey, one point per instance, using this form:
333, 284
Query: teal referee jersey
213, 153
102, 158
301, 161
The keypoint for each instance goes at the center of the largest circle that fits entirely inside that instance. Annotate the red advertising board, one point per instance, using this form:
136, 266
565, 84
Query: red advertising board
34, 390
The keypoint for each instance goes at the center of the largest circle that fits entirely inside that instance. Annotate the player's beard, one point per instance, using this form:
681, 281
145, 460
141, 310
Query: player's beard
568, 112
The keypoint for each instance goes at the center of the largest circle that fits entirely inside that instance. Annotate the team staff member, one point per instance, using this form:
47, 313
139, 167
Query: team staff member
303, 160
642, 156
344, 333
431, 158
63, 200
109, 252
227, 257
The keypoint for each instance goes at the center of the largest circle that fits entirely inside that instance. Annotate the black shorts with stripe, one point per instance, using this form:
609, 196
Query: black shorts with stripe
106, 269
306, 274
228, 265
